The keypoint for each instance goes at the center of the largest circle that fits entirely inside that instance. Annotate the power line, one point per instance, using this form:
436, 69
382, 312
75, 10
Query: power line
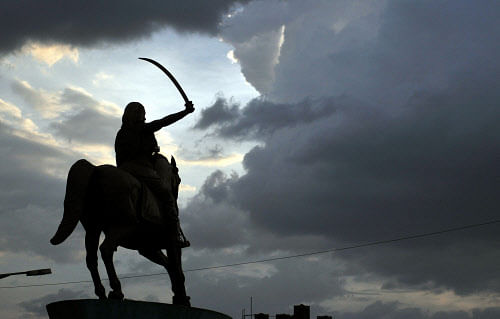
373, 243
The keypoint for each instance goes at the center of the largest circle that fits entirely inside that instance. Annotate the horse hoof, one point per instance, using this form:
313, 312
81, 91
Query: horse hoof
181, 301
116, 295
101, 293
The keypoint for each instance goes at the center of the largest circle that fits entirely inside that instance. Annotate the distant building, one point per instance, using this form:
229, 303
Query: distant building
301, 312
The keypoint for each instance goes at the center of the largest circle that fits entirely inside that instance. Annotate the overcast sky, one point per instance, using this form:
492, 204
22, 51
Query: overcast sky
318, 125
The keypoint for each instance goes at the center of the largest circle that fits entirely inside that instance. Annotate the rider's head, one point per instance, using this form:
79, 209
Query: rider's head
134, 115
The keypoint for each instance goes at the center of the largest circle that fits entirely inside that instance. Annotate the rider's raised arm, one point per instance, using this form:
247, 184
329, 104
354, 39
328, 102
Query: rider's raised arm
170, 119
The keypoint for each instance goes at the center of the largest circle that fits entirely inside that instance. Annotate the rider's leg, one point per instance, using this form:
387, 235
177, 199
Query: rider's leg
161, 190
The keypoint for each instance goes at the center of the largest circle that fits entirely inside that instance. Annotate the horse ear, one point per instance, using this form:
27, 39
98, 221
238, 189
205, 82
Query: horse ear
172, 161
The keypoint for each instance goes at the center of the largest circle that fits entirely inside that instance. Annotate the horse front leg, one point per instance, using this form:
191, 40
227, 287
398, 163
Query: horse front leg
174, 268
108, 248
91, 245
176, 275
155, 256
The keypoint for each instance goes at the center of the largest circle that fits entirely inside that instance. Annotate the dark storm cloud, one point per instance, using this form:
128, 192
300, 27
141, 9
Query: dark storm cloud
212, 221
209, 220
258, 17
410, 147
36, 307
260, 117
222, 111
202, 151
361, 175
377, 51
310, 32
90, 23
393, 310
389, 311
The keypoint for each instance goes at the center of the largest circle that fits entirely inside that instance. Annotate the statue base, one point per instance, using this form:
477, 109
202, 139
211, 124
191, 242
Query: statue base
110, 309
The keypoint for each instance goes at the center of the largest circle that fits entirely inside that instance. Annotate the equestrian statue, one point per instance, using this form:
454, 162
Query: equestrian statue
133, 203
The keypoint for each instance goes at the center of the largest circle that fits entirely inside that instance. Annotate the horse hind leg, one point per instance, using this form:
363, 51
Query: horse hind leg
91, 245
108, 248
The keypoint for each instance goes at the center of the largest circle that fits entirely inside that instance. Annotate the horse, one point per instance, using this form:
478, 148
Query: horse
107, 199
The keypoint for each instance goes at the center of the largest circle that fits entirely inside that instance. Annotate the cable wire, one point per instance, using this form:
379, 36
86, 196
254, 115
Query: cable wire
373, 243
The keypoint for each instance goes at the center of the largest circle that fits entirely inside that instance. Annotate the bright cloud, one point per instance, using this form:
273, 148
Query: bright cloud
46, 103
187, 188
51, 54
231, 57
214, 162
102, 77
10, 110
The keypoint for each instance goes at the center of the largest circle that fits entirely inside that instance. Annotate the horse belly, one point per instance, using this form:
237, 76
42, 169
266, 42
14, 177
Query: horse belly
117, 195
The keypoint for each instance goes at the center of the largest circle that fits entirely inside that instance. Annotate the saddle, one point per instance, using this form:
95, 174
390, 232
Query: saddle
161, 179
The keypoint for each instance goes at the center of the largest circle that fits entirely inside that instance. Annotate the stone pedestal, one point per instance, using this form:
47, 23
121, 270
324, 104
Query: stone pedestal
111, 309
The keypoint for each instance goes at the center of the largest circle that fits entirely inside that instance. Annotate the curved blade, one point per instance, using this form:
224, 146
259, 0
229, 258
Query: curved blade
177, 85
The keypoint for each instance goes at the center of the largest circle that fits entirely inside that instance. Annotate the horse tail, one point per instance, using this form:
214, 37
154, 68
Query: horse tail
76, 187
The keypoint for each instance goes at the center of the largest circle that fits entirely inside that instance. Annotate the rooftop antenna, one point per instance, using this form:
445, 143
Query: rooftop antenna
243, 311
251, 307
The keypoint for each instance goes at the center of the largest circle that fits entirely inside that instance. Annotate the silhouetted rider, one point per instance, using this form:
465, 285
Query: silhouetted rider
136, 152
135, 141
136, 145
